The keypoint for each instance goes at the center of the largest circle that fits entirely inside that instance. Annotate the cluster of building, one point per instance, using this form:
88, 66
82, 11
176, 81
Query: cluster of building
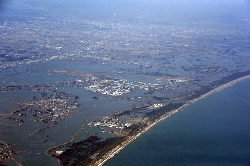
52, 109
117, 122
154, 106
5, 152
113, 87
111, 125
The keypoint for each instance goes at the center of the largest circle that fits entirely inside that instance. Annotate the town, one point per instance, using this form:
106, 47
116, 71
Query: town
83, 82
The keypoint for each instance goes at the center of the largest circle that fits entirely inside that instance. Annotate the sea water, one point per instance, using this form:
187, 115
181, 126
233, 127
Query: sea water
212, 131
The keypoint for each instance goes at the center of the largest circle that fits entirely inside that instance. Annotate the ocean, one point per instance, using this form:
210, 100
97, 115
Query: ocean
213, 131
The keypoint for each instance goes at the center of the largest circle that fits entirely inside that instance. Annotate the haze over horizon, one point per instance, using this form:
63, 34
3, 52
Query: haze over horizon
81, 79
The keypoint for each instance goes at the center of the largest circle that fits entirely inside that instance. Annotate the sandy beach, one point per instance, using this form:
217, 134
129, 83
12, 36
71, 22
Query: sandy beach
117, 149
221, 87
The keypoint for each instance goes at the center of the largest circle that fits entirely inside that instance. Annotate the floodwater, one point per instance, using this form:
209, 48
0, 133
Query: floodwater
212, 131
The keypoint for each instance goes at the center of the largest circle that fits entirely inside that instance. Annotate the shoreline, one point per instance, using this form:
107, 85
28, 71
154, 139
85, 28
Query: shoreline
221, 87
131, 138
118, 148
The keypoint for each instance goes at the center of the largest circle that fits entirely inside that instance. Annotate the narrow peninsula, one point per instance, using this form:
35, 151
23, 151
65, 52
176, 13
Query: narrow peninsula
96, 151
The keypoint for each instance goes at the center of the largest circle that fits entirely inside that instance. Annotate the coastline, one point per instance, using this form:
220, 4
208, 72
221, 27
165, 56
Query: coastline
118, 148
221, 87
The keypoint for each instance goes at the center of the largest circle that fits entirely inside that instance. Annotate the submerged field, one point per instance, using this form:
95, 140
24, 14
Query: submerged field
74, 78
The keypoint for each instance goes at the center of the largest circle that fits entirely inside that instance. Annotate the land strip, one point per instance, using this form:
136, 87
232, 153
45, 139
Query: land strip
117, 149
108, 150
